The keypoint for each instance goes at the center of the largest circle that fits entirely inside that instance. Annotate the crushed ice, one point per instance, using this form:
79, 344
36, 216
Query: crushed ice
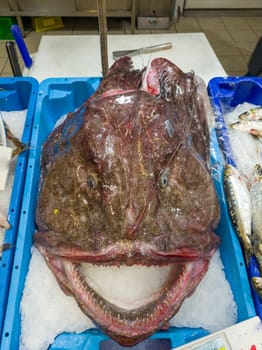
44, 301
15, 120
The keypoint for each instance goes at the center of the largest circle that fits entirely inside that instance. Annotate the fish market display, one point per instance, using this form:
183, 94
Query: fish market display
125, 181
245, 198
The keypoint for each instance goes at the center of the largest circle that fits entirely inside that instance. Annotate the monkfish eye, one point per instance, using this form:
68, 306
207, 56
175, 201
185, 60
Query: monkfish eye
164, 179
91, 181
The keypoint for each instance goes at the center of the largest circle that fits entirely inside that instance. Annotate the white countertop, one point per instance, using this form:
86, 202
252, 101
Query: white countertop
79, 55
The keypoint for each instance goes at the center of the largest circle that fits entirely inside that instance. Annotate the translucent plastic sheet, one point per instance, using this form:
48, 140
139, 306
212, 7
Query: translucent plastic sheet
240, 147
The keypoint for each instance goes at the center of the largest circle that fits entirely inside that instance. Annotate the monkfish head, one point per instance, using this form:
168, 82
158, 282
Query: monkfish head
126, 187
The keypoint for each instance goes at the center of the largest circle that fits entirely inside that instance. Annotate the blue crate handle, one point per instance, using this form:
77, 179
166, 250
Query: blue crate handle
21, 45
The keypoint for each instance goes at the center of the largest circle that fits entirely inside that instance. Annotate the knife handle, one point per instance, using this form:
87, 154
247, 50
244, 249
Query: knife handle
13, 59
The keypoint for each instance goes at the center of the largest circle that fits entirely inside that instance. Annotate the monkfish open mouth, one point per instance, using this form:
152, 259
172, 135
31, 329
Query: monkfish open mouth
128, 302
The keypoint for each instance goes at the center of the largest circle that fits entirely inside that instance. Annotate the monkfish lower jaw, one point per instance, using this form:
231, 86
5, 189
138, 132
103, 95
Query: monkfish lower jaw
128, 324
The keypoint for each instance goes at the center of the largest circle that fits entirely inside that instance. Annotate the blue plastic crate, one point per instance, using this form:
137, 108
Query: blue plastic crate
15, 94
56, 97
225, 94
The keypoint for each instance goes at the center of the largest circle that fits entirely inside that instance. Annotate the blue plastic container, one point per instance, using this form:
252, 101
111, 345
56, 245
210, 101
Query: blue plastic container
15, 94
225, 94
57, 97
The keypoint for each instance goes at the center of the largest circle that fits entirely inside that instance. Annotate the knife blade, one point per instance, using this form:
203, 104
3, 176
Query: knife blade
141, 50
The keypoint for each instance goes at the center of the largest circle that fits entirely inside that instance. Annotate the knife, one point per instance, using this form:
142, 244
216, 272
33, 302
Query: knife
13, 59
148, 49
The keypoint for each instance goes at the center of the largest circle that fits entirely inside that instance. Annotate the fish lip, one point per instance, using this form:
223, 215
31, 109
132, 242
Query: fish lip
127, 252
127, 330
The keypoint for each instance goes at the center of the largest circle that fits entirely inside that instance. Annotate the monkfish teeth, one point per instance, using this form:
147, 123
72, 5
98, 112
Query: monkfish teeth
252, 114
239, 203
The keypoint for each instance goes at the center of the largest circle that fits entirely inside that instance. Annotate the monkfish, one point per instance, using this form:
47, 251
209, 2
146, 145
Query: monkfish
125, 181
